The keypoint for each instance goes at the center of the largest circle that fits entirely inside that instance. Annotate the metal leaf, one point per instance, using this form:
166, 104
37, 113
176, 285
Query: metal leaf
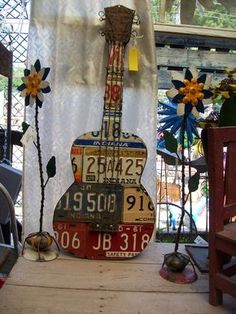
193, 182
24, 127
170, 142
228, 112
51, 167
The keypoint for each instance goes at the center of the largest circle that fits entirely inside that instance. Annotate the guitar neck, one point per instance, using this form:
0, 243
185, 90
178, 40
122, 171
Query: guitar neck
113, 97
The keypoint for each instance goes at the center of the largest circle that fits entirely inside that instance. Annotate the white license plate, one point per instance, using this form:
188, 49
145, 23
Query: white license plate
113, 166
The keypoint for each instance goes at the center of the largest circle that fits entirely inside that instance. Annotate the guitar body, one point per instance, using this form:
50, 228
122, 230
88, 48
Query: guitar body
106, 213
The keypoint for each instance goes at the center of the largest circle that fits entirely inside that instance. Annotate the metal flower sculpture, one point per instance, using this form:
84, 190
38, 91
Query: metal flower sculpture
190, 92
187, 99
173, 121
34, 85
225, 94
227, 89
33, 89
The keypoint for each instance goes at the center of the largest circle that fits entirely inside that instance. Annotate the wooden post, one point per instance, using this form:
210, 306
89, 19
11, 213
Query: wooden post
162, 11
6, 58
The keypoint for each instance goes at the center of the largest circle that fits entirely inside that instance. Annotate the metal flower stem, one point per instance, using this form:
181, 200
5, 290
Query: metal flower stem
183, 128
42, 185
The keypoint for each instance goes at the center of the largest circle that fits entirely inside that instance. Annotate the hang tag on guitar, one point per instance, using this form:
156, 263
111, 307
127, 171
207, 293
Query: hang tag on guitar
29, 136
133, 59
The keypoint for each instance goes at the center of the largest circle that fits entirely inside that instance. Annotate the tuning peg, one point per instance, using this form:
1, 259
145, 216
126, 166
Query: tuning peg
136, 19
102, 33
135, 36
134, 33
101, 15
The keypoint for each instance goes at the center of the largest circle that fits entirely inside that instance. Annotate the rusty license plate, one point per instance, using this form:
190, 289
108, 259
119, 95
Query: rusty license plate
127, 242
91, 202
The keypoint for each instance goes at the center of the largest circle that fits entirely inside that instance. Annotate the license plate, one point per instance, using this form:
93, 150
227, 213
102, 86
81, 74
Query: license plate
98, 203
113, 166
76, 160
138, 206
71, 237
127, 242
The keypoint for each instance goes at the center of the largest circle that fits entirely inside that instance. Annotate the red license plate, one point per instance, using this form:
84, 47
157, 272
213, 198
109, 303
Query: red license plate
78, 239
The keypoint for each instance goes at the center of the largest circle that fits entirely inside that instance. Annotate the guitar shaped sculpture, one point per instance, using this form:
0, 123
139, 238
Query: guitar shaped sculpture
106, 213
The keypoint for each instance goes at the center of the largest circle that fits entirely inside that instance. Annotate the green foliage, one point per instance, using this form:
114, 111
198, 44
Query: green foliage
219, 16
204, 188
171, 237
155, 10
16, 80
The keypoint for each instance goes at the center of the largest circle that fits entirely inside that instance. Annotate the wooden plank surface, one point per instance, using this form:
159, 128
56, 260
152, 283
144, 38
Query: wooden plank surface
72, 285
25, 300
195, 30
177, 57
186, 40
211, 62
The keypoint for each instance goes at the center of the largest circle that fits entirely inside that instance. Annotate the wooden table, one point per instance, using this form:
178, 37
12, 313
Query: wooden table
71, 285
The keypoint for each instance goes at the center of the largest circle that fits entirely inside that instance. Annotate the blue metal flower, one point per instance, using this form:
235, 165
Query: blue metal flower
173, 122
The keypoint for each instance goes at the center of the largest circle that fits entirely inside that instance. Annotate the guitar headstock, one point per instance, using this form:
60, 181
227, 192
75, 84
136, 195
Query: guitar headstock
118, 24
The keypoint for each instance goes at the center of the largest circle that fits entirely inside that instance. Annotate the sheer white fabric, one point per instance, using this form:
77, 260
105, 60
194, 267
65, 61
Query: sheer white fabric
65, 36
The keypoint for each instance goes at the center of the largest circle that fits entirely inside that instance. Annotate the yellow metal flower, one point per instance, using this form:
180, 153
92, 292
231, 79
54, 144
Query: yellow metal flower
190, 92
34, 84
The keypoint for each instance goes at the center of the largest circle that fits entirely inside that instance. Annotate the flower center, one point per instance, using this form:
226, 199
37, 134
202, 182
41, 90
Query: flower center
192, 91
33, 84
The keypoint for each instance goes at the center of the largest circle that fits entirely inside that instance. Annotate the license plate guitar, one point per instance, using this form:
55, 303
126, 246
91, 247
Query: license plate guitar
107, 213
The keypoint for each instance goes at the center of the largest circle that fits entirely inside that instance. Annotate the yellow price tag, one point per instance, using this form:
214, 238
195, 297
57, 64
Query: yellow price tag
133, 59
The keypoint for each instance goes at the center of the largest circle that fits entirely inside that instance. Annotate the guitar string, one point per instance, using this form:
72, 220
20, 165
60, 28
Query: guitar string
114, 76
117, 164
118, 113
112, 105
107, 113
115, 82
116, 106
110, 78
117, 73
119, 105
103, 129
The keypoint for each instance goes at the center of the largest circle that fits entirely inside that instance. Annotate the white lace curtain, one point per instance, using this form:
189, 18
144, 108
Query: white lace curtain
65, 36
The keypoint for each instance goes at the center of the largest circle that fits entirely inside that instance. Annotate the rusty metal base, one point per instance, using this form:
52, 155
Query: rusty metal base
40, 256
186, 276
